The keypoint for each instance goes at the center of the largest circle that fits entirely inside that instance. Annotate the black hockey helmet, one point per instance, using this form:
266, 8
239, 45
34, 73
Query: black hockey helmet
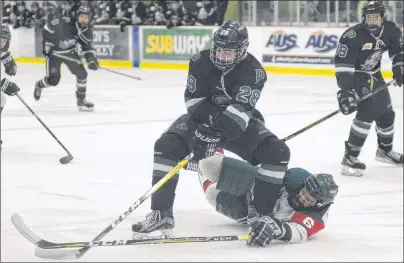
319, 190
373, 15
83, 16
5, 37
229, 44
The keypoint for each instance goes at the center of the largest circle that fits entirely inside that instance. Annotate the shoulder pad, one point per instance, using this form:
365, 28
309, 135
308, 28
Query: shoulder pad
251, 70
350, 33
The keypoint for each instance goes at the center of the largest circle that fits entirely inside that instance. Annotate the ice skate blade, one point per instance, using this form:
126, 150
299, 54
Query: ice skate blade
85, 109
37, 94
384, 160
158, 234
348, 171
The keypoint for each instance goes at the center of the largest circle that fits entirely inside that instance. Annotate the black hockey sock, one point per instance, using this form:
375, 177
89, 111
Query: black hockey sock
163, 198
265, 194
357, 137
81, 93
274, 155
43, 83
385, 137
81, 85
385, 131
169, 149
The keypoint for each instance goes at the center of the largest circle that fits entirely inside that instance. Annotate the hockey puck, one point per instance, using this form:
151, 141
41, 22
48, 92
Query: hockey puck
66, 159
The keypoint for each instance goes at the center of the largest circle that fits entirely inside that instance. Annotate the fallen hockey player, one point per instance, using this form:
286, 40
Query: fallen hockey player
300, 212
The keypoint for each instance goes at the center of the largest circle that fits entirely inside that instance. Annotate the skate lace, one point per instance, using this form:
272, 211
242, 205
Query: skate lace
353, 159
395, 155
193, 166
151, 218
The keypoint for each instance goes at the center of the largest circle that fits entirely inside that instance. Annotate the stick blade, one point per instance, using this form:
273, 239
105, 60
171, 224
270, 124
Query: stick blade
24, 230
56, 254
67, 159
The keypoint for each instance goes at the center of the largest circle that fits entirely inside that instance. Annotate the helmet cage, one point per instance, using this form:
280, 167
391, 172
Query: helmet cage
373, 14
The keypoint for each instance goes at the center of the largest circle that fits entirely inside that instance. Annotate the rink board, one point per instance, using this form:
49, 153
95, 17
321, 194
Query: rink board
281, 50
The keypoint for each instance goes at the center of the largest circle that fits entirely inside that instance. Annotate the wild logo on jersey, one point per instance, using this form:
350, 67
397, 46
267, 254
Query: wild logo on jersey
372, 61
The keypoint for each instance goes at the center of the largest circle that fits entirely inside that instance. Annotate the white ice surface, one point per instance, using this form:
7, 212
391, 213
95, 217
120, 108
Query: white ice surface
113, 149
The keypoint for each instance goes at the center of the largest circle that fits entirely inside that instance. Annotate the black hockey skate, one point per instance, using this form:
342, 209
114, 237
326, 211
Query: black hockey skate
38, 90
84, 105
351, 166
156, 222
390, 157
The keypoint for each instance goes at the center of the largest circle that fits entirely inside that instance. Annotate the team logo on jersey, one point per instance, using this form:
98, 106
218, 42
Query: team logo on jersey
350, 34
372, 61
259, 75
379, 44
322, 42
367, 46
281, 41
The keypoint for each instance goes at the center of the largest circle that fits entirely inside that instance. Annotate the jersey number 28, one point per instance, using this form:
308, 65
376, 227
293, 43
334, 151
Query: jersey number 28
246, 95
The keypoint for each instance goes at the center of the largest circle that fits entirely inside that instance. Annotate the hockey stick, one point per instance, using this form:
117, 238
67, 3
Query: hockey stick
106, 69
63, 160
311, 125
76, 254
42, 244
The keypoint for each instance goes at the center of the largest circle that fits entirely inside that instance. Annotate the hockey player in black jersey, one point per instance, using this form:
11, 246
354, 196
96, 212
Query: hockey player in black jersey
8, 87
223, 86
357, 66
300, 212
61, 36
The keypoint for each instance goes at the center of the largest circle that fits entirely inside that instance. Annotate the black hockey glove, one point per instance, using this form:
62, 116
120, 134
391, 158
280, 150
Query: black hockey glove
91, 60
398, 73
9, 87
9, 64
47, 48
264, 230
204, 142
345, 101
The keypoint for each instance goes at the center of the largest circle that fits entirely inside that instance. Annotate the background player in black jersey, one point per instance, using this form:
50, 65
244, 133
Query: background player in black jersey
61, 34
10, 68
357, 65
224, 84
300, 212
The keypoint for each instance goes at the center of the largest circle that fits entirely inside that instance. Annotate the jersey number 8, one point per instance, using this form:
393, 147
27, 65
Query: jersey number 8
342, 50
191, 84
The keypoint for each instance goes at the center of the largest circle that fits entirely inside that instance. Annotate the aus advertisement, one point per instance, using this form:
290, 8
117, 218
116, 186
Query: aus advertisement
300, 45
